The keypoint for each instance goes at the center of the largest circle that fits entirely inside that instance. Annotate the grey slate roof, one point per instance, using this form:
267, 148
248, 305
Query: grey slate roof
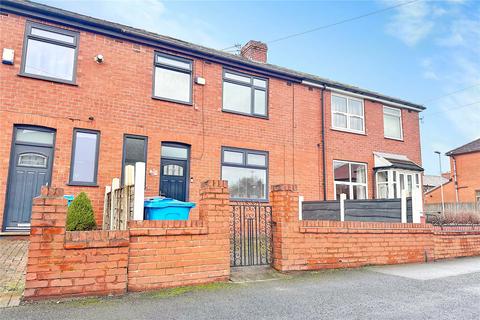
473, 146
98, 25
402, 164
433, 181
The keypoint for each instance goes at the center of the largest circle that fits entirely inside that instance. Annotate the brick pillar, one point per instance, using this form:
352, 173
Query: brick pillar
284, 199
214, 207
47, 234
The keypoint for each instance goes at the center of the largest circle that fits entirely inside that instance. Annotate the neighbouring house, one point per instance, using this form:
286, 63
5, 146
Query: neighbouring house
463, 185
82, 97
432, 181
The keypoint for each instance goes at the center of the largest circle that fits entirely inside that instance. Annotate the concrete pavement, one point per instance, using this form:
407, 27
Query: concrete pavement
367, 293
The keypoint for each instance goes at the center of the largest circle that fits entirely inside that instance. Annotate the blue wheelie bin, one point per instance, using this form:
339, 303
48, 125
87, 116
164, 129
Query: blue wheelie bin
167, 209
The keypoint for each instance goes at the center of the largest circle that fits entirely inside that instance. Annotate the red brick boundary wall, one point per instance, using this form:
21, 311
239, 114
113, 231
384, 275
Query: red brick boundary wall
176, 253
159, 254
151, 254
452, 242
312, 245
62, 264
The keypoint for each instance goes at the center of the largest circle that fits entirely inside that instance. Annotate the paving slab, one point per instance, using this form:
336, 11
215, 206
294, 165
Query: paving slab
13, 262
432, 270
255, 274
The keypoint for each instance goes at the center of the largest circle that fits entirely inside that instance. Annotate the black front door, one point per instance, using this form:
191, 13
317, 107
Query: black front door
30, 168
174, 179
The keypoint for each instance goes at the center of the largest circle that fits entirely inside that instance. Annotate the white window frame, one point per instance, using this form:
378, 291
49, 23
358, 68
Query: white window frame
348, 115
396, 184
350, 184
401, 123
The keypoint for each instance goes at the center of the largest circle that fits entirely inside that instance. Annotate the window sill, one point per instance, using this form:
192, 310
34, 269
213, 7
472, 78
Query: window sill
37, 77
245, 114
173, 101
362, 133
81, 184
249, 200
394, 139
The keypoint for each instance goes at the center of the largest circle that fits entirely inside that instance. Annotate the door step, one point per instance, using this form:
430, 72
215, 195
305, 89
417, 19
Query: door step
255, 274
14, 233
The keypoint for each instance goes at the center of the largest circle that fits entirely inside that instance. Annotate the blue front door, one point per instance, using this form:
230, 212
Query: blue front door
174, 171
30, 168
174, 179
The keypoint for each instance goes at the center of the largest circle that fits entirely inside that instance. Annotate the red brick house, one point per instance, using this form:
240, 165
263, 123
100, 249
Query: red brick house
464, 181
81, 97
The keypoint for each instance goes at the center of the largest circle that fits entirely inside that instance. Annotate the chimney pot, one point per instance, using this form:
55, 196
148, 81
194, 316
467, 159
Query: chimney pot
255, 51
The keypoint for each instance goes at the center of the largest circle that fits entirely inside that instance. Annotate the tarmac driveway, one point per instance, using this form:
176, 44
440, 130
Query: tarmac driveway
390, 292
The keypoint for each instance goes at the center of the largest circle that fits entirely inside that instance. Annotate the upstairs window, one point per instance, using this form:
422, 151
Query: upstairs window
392, 123
246, 173
84, 163
351, 179
347, 114
173, 78
49, 53
245, 94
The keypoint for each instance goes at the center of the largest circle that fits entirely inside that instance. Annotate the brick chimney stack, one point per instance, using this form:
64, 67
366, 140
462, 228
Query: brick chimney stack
255, 51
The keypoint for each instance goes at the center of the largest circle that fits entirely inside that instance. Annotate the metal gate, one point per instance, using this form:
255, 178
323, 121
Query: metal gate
250, 234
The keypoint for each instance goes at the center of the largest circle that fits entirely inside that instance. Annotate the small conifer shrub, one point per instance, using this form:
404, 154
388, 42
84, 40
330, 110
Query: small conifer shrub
80, 215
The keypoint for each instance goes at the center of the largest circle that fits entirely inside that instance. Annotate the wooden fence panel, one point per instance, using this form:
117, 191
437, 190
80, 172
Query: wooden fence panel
118, 208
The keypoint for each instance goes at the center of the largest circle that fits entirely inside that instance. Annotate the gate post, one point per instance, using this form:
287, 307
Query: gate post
214, 207
284, 198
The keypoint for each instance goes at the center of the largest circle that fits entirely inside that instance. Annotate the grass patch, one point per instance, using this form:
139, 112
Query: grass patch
174, 292
12, 287
82, 302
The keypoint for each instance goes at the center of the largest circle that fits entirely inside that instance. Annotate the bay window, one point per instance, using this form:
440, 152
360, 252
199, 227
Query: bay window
391, 183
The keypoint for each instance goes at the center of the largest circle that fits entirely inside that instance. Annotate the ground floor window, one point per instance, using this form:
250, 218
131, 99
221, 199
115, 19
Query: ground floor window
84, 163
350, 178
390, 183
246, 172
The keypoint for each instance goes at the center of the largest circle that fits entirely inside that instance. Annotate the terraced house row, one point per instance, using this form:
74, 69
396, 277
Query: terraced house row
80, 98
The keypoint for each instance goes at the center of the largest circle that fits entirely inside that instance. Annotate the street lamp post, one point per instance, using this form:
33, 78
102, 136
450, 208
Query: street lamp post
441, 184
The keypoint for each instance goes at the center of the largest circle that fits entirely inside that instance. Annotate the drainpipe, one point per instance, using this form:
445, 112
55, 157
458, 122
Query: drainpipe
322, 88
324, 152
455, 177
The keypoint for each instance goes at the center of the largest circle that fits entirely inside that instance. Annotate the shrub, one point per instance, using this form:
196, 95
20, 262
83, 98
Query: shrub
451, 218
80, 214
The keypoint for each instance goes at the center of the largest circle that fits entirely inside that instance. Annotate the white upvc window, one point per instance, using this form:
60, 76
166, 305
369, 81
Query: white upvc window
390, 183
392, 123
348, 114
350, 178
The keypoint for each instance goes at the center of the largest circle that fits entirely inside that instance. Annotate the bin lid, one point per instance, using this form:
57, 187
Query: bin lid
167, 202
